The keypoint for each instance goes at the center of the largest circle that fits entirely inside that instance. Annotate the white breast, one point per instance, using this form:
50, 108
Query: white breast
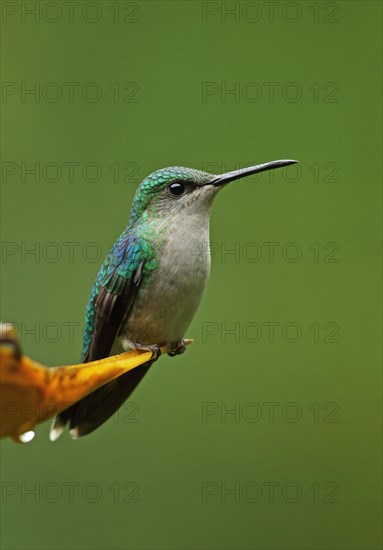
167, 302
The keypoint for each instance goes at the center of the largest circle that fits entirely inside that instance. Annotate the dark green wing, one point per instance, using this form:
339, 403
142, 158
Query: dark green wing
110, 303
112, 306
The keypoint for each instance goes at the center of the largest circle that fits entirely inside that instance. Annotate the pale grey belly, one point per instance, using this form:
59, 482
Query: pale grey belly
165, 304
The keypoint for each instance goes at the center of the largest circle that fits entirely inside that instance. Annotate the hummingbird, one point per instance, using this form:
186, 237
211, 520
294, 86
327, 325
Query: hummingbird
151, 283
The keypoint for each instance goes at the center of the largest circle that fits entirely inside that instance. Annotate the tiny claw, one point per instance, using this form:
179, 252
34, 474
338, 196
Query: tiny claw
153, 348
156, 350
180, 349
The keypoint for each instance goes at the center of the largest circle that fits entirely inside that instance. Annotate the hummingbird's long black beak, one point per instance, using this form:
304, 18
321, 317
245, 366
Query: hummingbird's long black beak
243, 172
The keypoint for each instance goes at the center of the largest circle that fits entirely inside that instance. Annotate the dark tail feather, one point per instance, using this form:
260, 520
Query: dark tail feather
93, 410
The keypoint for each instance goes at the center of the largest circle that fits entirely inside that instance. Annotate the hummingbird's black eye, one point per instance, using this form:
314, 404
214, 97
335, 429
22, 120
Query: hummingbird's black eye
176, 189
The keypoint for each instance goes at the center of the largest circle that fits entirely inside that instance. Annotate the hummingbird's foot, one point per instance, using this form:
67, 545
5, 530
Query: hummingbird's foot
153, 348
178, 350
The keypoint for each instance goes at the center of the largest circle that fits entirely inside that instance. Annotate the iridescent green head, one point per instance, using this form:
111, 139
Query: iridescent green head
172, 189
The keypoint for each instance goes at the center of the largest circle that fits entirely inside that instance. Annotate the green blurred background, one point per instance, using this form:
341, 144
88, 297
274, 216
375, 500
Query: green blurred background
176, 470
